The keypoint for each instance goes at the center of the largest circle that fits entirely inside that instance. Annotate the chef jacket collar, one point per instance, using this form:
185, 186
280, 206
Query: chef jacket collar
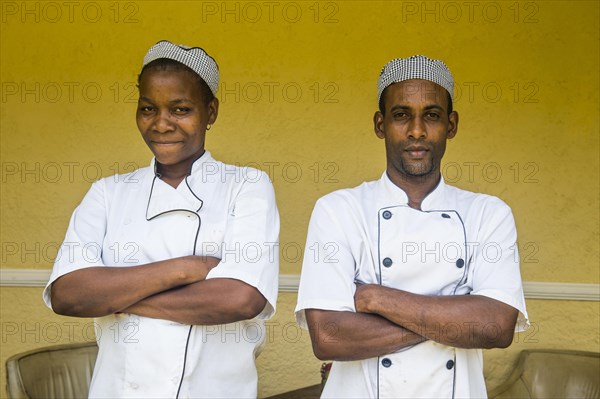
197, 165
433, 200
164, 198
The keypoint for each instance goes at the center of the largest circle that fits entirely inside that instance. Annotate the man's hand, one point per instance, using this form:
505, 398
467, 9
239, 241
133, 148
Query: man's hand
365, 296
355, 336
463, 321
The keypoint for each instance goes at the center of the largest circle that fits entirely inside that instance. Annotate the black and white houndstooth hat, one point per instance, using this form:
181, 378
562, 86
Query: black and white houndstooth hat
194, 58
415, 67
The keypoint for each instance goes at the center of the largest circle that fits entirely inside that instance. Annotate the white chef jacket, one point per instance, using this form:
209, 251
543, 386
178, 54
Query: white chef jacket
133, 219
458, 243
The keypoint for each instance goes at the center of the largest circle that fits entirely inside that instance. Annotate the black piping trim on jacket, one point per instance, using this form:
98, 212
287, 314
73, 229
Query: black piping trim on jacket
467, 256
466, 247
158, 175
187, 342
194, 194
454, 376
465, 275
380, 281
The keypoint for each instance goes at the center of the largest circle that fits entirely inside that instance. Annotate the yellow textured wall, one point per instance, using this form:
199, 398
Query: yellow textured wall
297, 97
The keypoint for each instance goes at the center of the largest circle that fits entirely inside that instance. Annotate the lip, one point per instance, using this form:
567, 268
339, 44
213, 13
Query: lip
416, 151
165, 143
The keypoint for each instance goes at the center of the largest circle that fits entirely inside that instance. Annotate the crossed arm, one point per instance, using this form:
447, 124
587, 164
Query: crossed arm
174, 289
388, 319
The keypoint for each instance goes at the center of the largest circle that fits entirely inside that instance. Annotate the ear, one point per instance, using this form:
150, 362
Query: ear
452, 125
213, 110
378, 125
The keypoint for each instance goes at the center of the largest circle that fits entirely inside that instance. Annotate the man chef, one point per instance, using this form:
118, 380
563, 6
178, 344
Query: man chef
419, 275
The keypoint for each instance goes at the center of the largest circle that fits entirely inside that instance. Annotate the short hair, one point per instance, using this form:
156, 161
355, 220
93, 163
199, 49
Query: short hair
167, 64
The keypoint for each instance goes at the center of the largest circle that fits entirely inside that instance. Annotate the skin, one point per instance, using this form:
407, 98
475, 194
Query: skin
346, 336
172, 117
415, 127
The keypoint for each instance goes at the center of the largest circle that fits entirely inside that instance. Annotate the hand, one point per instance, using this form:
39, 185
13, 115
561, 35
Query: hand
206, 263
365, 297
196, 267
209, 262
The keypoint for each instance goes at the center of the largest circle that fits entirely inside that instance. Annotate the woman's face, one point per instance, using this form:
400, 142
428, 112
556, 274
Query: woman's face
172, 116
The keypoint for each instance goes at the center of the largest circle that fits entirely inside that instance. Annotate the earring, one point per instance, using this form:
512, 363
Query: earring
208, 126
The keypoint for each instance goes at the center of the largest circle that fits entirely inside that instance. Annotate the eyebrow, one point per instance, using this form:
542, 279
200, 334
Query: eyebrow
406, 107
175, 101
434, 106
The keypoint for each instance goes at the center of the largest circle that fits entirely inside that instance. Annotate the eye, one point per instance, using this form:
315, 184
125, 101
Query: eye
400, 115
146, 109
181, 110
433, 115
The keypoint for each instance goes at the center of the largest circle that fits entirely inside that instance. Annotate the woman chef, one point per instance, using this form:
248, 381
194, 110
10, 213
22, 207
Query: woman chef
173, 260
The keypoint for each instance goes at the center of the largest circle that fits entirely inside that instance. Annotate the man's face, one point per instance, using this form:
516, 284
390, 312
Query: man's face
415, 128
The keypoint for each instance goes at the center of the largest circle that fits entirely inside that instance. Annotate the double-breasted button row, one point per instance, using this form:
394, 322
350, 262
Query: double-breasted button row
386, 362
387, 262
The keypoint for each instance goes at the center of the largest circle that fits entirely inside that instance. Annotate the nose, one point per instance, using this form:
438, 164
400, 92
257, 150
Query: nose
163, 122
416, 129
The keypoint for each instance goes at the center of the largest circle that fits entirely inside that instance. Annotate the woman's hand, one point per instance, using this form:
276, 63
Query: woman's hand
196, 267
98, 291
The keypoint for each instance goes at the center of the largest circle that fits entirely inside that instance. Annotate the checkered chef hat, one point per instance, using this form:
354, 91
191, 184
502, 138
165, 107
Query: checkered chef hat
194, 58
415, 67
